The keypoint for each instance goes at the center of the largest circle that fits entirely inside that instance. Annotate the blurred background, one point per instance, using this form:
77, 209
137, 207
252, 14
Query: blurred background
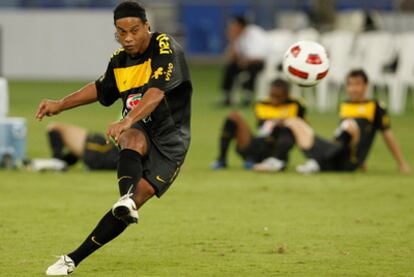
72, 39
240, 222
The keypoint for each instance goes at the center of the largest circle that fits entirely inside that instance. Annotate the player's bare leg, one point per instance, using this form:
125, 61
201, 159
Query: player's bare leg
348, 132
243, 132
144, 192
305, 139
303, 133
67, 142
73, 137
234, 127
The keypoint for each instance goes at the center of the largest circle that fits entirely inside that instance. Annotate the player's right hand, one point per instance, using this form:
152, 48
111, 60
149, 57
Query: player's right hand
48, 108
405, 168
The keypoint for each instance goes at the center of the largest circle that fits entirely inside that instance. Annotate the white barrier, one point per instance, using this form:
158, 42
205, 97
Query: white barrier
54, 44
4, 98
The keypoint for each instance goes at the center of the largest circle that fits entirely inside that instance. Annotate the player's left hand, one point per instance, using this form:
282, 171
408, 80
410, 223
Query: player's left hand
115, 130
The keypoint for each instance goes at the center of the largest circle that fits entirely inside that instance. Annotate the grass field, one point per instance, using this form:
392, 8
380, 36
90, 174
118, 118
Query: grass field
229, 223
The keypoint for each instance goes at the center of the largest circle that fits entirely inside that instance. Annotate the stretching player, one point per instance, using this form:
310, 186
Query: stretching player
360, 119
255, 149
151, 77
70, 143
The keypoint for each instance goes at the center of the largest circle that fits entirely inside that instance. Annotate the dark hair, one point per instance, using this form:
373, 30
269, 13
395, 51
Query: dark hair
130, 9
358, 73
240, 19
282, 84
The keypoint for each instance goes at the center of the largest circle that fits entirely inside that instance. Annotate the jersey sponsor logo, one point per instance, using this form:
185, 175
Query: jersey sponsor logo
358, 110
133, 100
169, 72
164, 44
161, 72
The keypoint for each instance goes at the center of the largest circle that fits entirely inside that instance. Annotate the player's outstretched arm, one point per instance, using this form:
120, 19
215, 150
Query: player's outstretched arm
149, 102
396, 152
85, 95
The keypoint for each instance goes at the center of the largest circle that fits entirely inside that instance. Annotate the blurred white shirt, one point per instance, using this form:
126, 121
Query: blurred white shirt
253, 43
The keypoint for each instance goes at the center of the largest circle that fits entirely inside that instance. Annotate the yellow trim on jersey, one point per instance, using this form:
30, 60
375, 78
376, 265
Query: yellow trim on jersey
133, 76
267, 111
116, 53
386, 120
358, 110
98, 147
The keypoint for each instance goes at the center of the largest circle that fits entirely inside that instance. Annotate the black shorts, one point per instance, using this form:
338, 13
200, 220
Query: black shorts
158, 170
256, 151
98, 155
331, 156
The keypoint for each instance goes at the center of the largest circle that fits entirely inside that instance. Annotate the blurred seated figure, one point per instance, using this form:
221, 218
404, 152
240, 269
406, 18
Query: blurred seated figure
70, 143
246, 52
271, 141
360, 119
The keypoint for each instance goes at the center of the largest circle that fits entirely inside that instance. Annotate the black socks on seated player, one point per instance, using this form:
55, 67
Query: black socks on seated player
344, 138
283, 141
57, 145
227, 134
129, 170
108, 228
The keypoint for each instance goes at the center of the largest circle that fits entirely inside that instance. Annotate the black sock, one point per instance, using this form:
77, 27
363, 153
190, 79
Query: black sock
129, 170
344, 138
227, 134
70, 158
56, 143
227, 97
283, 143
108, 228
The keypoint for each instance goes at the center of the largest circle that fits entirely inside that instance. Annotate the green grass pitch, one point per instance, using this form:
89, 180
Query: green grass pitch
229, 223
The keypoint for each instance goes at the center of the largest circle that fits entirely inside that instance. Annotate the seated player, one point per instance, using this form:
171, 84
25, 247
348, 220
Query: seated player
254, 149
71, 143
360, 119
247, 49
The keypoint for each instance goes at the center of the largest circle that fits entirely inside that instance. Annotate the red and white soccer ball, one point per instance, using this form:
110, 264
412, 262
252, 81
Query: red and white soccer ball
306, 63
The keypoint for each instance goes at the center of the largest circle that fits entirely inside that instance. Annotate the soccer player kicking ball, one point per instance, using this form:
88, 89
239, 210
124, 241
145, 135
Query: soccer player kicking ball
149, 73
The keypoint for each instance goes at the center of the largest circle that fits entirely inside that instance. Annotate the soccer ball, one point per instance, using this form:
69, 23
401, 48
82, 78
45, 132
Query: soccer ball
306, 63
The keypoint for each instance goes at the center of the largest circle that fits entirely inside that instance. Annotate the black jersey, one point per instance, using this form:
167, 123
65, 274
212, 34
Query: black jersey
370, 117
161, 66
290, 108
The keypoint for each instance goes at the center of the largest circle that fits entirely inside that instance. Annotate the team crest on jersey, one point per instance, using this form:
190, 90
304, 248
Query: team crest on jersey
133, 100
164, 44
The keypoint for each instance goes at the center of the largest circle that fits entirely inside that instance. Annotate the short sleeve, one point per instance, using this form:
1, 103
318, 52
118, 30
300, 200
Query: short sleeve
301, 110
382, 119
167, 71
106, 87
